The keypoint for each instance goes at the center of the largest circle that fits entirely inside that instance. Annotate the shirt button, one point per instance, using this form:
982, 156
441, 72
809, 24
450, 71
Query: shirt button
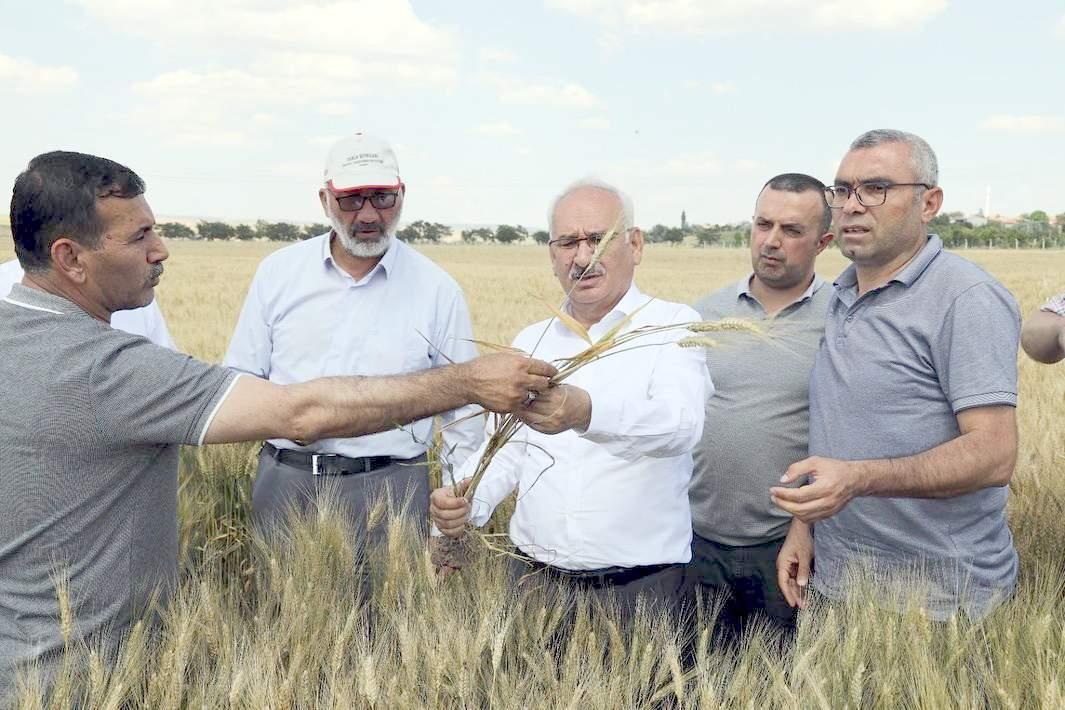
850, 318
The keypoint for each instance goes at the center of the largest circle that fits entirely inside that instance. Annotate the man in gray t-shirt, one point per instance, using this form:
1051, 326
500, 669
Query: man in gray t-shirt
913, 437
90, 417
756, 422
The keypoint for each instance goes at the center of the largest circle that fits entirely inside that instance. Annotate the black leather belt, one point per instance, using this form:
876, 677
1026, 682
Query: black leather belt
601, 576
327, 464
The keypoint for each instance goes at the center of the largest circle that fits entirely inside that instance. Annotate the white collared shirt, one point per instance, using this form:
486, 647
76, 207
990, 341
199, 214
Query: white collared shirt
305, 317
618, 493
147, 321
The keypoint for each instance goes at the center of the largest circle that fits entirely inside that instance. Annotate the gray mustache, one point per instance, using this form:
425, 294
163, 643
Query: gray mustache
577, 271
157, 271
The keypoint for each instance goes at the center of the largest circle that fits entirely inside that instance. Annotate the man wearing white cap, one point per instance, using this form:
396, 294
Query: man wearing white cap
353, 301
147, 321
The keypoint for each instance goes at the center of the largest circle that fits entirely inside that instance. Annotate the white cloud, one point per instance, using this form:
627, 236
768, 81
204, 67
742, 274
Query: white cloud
218, 107
1061, 26
747, 166
336, 108
718, 88
361, 27
693, 166
512, 90
1030, 124
25, 77
596, 123
498, 129
491, 55
705, 17
293, 54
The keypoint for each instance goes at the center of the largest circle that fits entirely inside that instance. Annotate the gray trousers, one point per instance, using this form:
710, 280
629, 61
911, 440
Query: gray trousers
403, 488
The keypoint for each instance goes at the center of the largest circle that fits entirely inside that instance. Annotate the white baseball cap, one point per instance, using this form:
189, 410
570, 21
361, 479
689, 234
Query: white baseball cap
361, 161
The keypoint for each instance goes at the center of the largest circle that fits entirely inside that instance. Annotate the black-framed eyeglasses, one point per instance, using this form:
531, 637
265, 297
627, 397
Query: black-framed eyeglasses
354, 203
869, 194
571, 243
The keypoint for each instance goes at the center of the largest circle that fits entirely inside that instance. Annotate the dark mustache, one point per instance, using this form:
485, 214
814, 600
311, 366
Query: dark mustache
157, 271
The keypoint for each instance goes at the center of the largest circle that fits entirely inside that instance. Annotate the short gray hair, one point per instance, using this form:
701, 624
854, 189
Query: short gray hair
925, 165
627, 212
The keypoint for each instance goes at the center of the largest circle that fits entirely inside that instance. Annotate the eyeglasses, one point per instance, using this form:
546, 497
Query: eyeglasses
571, 243
354, 203
869, 194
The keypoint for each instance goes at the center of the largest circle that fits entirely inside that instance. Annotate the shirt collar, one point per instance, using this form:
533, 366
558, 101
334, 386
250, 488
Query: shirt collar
387, 263
910, 273
631, 301
743, 288
37, 300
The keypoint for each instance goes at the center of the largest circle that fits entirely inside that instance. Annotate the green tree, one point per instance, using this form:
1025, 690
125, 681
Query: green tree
541, 237
408, 234
705, 236
313, 230
481, 234
435, 231
244, 232
657, 233
175, 230
278, 231
505, 233
422, 231
1038, 216
673, 236
214, 230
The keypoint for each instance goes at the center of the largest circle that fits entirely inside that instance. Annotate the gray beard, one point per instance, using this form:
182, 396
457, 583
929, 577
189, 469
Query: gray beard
364, 249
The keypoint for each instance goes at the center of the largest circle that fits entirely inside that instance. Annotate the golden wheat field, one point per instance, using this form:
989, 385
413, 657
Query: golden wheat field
282, 626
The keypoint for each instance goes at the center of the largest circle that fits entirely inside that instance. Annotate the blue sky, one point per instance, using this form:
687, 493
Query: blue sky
227, 107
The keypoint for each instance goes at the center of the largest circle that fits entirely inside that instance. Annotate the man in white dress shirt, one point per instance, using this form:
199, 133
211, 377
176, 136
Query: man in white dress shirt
603, 467
147, 321
354, 301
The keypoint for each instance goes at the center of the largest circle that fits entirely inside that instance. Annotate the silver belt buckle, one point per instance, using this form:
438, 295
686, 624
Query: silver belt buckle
315, 471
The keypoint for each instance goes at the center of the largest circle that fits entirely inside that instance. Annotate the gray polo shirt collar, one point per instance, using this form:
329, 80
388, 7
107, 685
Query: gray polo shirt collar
907, 276
743, 290
37, 300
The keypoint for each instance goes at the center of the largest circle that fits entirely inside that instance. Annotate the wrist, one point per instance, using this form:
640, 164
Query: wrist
859, 478
464, 381
581, 413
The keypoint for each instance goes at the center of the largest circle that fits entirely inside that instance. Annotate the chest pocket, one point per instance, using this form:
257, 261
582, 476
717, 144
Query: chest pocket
387, 352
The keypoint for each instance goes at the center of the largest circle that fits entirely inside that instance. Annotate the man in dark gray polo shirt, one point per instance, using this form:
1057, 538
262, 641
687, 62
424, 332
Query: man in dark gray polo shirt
91, 417
757, 420
913, 438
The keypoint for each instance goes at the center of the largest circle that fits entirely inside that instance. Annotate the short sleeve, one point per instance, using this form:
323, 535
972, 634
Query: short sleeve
147, 394
975, 354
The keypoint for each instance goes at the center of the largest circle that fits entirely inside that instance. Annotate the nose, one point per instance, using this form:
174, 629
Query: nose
159, 252
368, 213
585, 252
774, 239
852, 204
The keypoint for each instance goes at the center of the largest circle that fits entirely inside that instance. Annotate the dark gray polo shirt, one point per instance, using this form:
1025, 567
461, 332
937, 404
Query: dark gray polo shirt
895, 368
757, 421
90, 422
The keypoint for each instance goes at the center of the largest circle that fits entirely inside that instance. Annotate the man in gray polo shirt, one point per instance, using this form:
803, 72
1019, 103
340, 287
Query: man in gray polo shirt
91, 417
913, 438
757, 421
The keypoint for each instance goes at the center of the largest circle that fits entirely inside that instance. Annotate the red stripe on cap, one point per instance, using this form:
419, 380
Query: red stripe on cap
346, 190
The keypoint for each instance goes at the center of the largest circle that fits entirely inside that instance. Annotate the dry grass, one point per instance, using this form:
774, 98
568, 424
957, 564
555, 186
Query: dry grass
283, 626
